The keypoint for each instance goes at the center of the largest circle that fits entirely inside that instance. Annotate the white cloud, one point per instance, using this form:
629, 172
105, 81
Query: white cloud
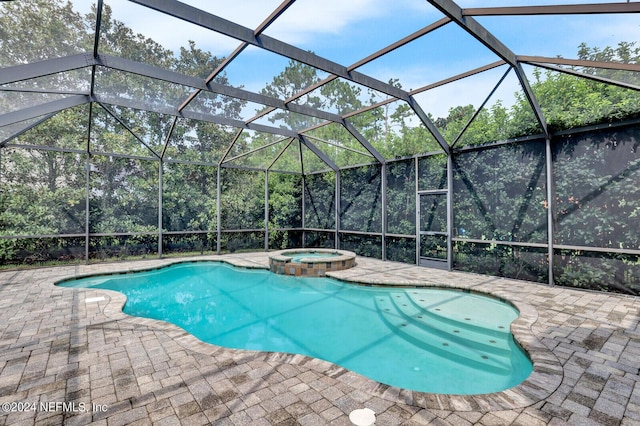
301, 23
297, 25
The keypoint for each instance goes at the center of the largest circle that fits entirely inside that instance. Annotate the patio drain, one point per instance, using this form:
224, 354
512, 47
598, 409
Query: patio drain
363, 417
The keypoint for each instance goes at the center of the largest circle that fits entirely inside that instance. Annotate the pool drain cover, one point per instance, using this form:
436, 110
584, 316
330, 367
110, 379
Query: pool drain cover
363, 417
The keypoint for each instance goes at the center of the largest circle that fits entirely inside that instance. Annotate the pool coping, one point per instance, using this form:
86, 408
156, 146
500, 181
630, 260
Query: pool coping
545, 378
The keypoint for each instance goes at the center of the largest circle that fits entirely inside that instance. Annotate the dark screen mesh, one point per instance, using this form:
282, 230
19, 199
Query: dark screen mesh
319, 201
283, 239
619, 273
401, 249
285, 201
500, 193
401, 197
232, 242
432, 172
362, 245
34, 251
242, 200
42, 193
525, 263
124, 195
361, 199
433, 212
123, 247
189, 197
320, 239
192, 244
597, 191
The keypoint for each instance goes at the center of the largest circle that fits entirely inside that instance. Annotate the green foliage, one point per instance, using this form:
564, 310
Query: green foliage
597, 195
401, 249
320, 201
401, 198
499, 193
191, 207
242, 199
598, 271
361, 199
54, 30
501, 260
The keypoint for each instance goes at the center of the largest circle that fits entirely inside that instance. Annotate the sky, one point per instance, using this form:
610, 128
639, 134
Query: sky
346, 31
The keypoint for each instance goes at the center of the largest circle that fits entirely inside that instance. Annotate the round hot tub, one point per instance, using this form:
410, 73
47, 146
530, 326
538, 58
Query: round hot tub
310, 262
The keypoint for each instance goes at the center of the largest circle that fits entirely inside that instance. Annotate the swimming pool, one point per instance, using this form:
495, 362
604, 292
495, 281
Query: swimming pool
423, 339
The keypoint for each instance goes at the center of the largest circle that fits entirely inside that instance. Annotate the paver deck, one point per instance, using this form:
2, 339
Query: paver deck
70, 356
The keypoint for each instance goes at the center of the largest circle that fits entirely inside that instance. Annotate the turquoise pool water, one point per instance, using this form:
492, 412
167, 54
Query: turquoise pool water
429, 340
297, 256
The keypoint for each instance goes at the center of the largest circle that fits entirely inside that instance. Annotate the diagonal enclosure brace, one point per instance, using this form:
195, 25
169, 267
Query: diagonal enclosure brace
473, 27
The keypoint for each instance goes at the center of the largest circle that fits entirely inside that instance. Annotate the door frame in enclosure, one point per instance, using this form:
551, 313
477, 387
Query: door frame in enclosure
433, 225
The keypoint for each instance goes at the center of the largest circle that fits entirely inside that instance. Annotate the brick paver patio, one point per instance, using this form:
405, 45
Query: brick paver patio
70, 356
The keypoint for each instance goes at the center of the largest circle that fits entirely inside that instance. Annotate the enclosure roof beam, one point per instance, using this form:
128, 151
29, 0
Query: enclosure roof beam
129, 129
68, 63
282, 151
226, 61
306, 142
42, 109
390, 48
338, 145
564, 9
544, 62
26, 129
453, 144
151, 71
43, 68
589, 76
457, 77
215, 119
363, 141
411, 37
473, 27
260, 148
430, 125
619, 66
425, 88
96, 36
231, 29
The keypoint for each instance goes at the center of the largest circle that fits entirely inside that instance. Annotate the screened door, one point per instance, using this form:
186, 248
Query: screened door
433, 239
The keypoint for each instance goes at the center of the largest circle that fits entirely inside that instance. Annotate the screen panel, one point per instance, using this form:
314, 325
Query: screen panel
42, 251
500, 193
124, 196
42, 192
123, 247
189, 244
614, 272
524, 263
596, 186
361, 199
320, 239
401, 197
362, 245
242, 199
400, 249
319, 201
189, 197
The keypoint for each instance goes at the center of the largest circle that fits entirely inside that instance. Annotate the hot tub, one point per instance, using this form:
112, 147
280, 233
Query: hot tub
310, 262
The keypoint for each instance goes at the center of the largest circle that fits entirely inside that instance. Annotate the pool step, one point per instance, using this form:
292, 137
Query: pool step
463, 332
441, 311
443, 342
